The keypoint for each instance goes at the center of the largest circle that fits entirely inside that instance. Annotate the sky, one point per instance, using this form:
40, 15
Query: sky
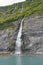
9, 2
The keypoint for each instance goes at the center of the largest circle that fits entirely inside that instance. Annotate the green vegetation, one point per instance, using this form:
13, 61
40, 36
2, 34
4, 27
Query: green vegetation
11, 45
13, 12
23, 47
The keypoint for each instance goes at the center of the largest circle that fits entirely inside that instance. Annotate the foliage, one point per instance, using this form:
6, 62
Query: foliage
11, 45
18, 10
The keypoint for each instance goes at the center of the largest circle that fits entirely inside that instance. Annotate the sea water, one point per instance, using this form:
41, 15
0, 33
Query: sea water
21, 60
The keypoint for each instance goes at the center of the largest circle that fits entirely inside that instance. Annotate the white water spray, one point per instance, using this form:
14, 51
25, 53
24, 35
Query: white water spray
19, 41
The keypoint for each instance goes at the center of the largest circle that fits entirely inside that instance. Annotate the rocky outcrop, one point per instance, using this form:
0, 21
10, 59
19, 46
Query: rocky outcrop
33, 34
8, 36
32, 37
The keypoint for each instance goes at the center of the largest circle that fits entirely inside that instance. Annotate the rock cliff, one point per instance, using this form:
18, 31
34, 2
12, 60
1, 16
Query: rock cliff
32, 35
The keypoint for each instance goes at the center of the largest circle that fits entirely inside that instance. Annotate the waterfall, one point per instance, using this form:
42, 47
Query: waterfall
19, 41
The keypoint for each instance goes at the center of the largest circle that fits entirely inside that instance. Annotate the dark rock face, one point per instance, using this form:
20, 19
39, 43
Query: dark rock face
8, 36
33, 34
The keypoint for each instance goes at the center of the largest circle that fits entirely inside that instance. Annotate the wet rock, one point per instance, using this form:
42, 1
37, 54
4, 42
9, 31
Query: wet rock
8, 36
33, 33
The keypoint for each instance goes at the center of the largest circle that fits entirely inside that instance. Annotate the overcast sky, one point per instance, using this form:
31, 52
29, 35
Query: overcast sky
9, 2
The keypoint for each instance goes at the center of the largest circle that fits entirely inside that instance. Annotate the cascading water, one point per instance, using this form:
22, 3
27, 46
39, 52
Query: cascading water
18, 41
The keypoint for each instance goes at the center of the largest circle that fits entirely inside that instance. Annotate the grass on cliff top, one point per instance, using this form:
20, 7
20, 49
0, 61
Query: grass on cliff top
22, 9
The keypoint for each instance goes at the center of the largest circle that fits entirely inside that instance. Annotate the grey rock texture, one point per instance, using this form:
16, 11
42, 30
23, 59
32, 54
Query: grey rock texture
33, 34
8, 36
